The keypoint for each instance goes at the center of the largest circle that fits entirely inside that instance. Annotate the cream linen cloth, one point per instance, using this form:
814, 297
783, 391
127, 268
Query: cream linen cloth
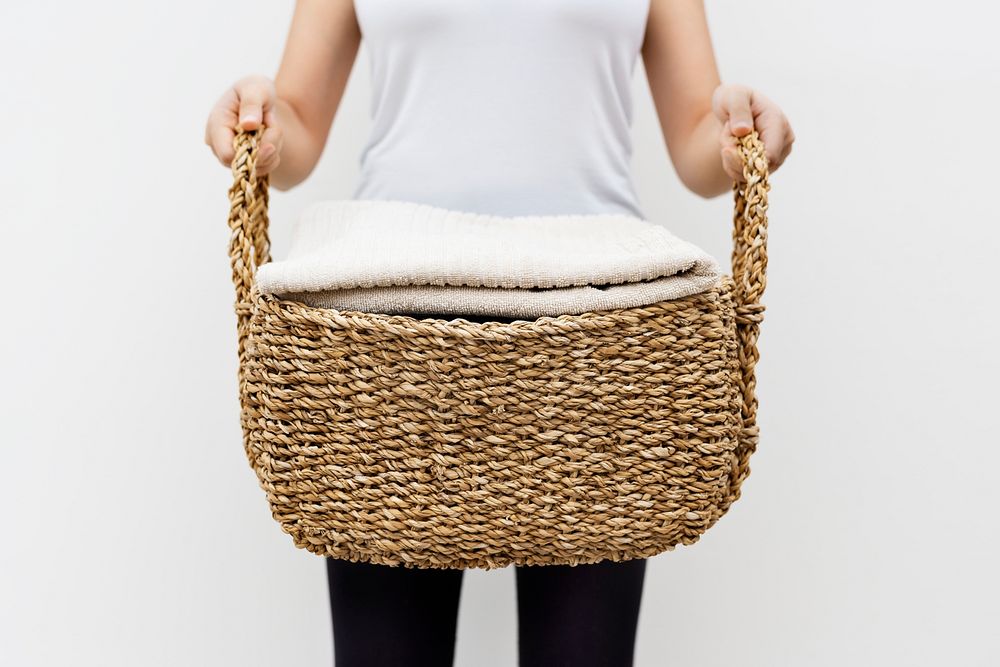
399, 257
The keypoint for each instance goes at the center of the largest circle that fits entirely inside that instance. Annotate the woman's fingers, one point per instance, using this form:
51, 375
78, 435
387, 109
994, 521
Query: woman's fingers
732, 163
247, 105
219, 131
775, 131
777, 136
270, 147
741, 110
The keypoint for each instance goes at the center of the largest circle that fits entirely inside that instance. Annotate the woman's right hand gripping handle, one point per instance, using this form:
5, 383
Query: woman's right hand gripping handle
247, 104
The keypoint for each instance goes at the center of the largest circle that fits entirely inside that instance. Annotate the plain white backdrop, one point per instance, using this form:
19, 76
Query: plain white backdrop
134, 532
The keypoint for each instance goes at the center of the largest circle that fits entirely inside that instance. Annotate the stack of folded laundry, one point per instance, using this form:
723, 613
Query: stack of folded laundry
398, 257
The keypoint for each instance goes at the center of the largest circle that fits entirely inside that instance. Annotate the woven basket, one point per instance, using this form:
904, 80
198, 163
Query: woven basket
433, 443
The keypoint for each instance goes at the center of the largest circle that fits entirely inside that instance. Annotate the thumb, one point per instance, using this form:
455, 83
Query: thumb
256, 99
733, 104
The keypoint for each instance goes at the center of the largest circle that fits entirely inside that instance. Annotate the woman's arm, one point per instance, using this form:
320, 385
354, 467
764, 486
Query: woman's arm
298, 108
700, 118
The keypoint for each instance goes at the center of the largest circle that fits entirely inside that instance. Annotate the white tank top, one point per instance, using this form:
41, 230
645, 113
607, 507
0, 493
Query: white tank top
503, 107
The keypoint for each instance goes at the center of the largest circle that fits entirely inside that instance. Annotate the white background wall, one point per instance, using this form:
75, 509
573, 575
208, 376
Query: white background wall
134, 532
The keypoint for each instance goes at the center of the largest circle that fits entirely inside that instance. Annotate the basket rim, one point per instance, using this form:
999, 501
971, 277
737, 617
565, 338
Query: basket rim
390, 323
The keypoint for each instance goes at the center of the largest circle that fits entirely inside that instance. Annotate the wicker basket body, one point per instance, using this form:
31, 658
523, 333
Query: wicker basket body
425, 442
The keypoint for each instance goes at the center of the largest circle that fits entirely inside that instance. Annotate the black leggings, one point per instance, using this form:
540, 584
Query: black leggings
579, 616
568, 615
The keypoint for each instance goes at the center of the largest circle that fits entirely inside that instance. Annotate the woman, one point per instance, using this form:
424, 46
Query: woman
505, 107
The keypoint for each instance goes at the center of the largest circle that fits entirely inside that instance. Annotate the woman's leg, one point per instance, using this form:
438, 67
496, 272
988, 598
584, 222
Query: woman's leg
387, 616
579, 615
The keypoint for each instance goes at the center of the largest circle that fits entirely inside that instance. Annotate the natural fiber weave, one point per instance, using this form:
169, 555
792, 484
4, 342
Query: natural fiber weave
440, 443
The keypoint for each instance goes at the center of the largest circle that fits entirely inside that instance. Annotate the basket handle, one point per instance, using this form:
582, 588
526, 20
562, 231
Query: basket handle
249, 244
749, 263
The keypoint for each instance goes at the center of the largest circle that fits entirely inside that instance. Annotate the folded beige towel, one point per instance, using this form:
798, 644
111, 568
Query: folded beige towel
402, 257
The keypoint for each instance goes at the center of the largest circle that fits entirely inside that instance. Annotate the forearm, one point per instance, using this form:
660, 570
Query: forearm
322, 45
301, 148
697, 161
682, 73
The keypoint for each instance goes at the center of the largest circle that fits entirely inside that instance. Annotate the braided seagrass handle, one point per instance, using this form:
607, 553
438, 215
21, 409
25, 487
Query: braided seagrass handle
250, 247
749, 262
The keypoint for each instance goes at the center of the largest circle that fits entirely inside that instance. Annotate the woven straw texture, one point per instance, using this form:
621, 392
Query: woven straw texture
433, 443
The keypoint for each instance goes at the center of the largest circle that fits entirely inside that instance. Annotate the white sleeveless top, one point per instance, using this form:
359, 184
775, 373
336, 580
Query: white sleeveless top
503, 107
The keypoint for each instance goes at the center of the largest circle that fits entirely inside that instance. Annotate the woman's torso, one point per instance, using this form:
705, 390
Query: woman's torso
505, 107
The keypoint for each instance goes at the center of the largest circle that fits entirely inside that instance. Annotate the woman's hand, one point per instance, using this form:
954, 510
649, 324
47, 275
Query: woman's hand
297, 108
250, 102
741, 109
700, 118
